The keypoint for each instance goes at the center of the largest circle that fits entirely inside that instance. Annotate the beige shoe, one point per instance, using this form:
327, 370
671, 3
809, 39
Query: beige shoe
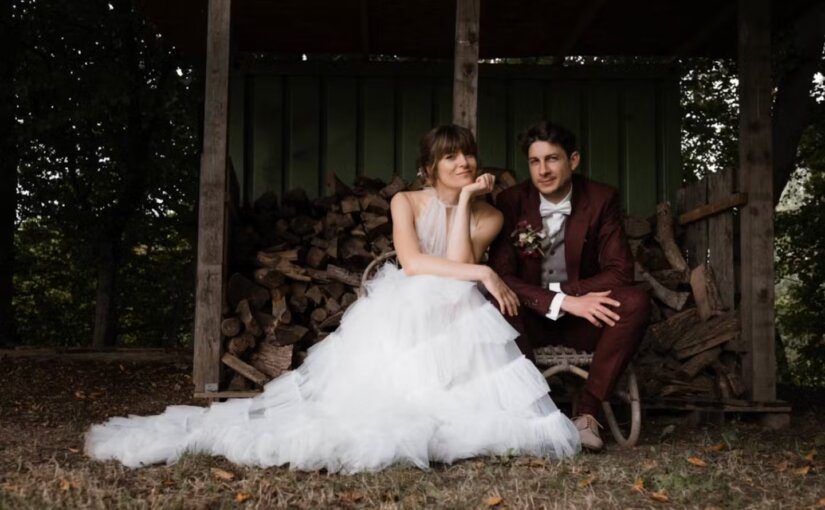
589, 432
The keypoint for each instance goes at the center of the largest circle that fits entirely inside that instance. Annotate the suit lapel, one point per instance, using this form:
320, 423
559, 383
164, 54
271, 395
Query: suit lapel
576, 229
530, 212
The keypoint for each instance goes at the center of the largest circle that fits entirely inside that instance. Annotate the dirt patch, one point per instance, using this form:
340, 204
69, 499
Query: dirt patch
46, 404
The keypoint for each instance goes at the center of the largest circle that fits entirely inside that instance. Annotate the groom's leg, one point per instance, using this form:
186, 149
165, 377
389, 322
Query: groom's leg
612, 347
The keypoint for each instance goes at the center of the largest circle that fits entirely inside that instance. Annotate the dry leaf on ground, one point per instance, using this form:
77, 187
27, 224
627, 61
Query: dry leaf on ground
810, 456
696, 461
222, 474
803, 471
493, 501
718, 447
587, 481
659, 496
241, 497
639, 485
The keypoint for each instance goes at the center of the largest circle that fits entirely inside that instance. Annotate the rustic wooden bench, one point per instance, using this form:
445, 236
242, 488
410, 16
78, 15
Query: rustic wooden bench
554, 360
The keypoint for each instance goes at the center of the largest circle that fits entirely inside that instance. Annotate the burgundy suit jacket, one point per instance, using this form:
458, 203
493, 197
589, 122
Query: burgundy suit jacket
597, 254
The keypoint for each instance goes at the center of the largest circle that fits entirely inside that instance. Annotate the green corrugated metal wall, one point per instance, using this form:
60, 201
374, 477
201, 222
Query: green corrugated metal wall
291, 123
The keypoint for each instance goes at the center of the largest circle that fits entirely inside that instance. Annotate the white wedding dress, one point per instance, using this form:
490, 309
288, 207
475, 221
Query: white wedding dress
422, 369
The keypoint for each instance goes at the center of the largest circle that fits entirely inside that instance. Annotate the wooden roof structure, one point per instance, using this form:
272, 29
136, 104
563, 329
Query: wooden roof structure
468, 30
508, 28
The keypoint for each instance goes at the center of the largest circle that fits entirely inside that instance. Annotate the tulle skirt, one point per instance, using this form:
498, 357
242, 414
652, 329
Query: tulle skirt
422, 369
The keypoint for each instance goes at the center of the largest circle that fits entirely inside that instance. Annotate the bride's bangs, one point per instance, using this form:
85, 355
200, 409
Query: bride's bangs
452, 140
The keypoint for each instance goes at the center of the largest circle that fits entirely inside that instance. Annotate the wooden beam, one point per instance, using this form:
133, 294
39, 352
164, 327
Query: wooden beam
211, 215
364, 20
582, 24
245, 369
705, 31
465, 75
756, 179
704, 211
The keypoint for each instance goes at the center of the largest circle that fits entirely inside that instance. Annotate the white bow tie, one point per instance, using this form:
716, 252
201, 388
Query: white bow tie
547, 209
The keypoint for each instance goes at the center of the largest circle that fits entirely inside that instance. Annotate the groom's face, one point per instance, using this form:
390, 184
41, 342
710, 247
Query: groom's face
551, 169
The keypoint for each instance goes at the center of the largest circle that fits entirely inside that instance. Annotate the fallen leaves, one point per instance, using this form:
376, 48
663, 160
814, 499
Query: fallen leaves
222, 474
493, 500
66, 485
241, 497
802, 471
660, 495
718, 447
696, 461
587, 482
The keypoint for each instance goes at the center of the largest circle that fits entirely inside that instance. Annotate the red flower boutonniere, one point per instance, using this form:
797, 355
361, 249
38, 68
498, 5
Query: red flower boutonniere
527, 240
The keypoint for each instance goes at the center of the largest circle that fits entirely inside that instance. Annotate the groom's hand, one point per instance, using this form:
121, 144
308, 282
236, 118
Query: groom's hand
594, 307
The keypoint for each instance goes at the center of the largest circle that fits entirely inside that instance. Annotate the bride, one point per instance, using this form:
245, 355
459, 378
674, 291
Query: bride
423, 368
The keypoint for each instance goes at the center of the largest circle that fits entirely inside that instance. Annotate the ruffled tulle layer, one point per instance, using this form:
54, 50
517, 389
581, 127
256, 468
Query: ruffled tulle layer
423, 369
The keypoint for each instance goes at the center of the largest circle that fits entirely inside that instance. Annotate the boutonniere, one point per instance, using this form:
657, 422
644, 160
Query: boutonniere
528, 240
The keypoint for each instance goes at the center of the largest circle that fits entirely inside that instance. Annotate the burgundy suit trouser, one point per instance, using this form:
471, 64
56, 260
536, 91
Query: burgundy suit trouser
612, 346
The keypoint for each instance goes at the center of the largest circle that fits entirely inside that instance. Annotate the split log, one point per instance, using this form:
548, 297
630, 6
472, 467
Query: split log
239, 345
332, 306
268, 277
395, 185
316, 257
671, 298
664, 236
353, 251
280, 310
305, 226
697, 363
374, 204
267, 322
334, 290
706, 292
240, 287
348, 299
340, 274
245, 313
350, 204
332, 321
734, 382
318, 315
706, 335
244, 369
289, 334
272, 359
231, 326
375, 224
318, 275
239, 383
315, 295
336, 186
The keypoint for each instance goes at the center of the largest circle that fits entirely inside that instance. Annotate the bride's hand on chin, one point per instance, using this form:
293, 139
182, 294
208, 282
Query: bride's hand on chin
507, 300
482, 185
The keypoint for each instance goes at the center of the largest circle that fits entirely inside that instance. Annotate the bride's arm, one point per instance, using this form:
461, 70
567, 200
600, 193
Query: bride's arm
414, 262
461, 246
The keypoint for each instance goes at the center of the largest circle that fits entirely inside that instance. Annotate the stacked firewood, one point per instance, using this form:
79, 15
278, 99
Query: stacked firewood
297, 267
691, 348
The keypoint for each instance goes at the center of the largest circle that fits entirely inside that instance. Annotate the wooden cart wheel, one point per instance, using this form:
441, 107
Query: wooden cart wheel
630, 397
369, 272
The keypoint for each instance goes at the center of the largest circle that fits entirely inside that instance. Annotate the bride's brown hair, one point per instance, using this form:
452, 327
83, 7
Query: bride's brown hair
442, 141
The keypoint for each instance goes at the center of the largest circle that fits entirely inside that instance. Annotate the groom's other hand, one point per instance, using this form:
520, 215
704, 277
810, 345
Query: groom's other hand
594, 307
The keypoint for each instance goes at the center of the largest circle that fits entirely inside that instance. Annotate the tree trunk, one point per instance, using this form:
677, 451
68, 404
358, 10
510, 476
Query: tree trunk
105, 332
10, 41
794, 104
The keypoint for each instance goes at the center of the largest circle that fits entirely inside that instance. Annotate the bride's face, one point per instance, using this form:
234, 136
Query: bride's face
456, 170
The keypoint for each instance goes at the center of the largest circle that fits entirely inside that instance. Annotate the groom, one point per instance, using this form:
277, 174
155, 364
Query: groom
563, 251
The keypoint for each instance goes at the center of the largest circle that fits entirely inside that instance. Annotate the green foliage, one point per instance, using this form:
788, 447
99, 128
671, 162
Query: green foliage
710, 116
108, 123
800, 263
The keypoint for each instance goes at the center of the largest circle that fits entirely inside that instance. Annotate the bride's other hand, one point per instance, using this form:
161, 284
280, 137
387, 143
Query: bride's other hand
507, 300
482, 185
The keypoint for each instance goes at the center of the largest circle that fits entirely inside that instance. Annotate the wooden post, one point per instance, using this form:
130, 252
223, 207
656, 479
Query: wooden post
756, 178
211, 216
465, 75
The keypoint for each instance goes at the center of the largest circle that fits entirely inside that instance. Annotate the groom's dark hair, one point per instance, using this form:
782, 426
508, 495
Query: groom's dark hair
546, 131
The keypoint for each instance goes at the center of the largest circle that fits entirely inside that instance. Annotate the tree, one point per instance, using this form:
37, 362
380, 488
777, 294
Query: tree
101, 97
10, 32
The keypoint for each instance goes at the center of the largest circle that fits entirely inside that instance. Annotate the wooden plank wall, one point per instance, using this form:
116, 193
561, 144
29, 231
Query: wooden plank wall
292, 124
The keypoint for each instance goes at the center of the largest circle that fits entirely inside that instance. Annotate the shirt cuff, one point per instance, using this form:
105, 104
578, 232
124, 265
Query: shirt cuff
555, 305
555, 286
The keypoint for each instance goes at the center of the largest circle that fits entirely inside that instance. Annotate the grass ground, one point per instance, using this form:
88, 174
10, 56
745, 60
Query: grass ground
47, 403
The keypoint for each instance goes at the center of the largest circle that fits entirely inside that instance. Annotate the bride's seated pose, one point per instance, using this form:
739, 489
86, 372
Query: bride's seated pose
423, 368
